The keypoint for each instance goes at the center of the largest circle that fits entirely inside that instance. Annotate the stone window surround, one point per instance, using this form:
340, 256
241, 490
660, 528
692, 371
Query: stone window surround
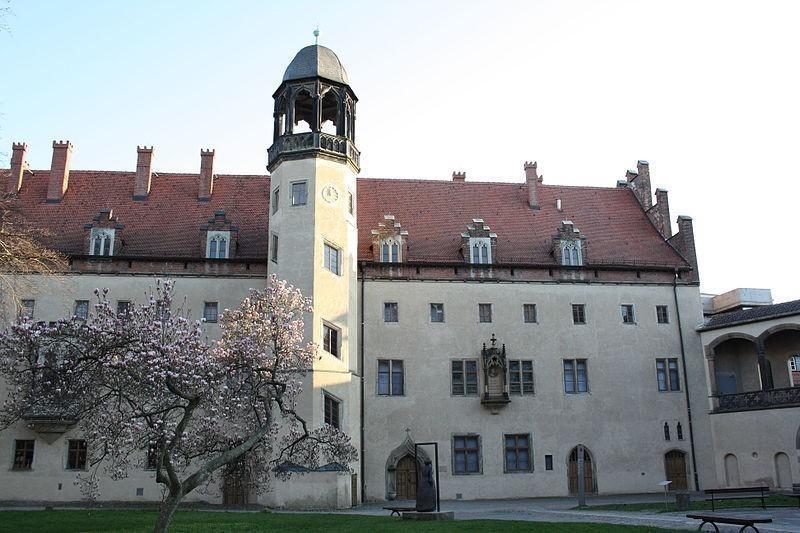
668, 375
453, 454
326, 244
328, 398
106, 237
530, 454
387, 306
665, 316
483, 244
463, 361
76, 452
338, 346
392, 364
292, 198
220, 236
522, 380
623, 308
576, 387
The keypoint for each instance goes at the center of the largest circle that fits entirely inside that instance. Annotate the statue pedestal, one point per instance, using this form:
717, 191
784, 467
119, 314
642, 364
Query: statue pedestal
433, 515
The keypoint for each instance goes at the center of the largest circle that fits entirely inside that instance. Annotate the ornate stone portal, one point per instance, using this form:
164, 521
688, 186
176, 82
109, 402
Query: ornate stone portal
406, 449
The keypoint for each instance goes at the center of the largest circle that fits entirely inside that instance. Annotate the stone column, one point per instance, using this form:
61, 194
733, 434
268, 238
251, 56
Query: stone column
712, 377
766, 381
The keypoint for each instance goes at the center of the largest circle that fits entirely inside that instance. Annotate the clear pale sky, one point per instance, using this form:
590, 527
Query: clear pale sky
707, 92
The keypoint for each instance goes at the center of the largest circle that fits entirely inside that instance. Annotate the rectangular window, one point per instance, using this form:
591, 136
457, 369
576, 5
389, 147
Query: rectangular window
23, 454
484, 312
210, 311
464, 377
123, 306
331, 260
437, 312
351, 208
578, 313
82, 309
330, 339
391, 378
299, 193
518, 453
662, 314
529, 313
390, 311
576, 378
27, 308
332, 411
628, 316
520, 377
276, 198
466, 454
76, 455
667, 375
273, 248
548, 462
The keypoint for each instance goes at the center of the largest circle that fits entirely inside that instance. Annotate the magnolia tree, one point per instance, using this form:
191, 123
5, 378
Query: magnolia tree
147, 380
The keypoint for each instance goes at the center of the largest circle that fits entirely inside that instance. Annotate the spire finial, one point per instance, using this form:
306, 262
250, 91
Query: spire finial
316, 35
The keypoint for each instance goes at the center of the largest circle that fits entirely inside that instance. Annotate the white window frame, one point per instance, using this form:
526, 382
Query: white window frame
325, 255
106, 236
794, 363
387, 244
276, 200
218, 237
291, 193
571, 252
481, 243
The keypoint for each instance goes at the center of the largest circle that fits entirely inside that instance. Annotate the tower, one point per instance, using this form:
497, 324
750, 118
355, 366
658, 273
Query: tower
313, 239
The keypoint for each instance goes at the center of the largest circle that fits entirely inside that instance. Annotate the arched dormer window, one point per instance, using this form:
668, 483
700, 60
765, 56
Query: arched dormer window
480, 250
390, 251
218, 244
571, 252
102, 241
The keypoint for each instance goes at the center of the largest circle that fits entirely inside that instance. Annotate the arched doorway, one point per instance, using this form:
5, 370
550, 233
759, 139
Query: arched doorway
235, 484
732, 471
406, 479
589, 480
675, 469
783, 471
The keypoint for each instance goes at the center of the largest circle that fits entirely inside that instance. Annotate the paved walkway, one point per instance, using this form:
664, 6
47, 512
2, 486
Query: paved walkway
786, 520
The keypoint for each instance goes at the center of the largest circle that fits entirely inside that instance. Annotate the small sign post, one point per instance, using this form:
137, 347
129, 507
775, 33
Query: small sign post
665, 484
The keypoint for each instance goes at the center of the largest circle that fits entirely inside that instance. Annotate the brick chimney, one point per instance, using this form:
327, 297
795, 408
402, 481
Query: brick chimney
59, 171
683, 241
206, 174
144, 171
18, 167
643, 179
662, 206
532, 179
459, 176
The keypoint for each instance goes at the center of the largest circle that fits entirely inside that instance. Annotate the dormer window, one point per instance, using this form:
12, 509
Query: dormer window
571, 253
389, 242
390, 251
480, 250
218, 244
102, 241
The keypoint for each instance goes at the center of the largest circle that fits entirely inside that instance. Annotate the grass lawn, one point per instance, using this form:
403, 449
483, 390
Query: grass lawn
130, 521
774, 500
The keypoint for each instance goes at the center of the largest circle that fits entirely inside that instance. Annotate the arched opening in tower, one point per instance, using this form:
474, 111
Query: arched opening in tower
330, 112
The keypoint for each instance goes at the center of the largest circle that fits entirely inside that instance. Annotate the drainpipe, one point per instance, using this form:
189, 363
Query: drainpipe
685, 380
361, 375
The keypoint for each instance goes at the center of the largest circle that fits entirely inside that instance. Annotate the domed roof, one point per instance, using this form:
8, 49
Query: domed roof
316, 61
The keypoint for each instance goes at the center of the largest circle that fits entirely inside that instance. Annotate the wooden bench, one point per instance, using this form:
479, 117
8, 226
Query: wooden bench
738, 490
744, 521
398, 510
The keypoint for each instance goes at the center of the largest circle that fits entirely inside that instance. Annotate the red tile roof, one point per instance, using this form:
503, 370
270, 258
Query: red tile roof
434, 213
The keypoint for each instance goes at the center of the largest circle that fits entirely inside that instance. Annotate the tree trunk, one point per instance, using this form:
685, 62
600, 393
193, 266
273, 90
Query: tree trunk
166, 511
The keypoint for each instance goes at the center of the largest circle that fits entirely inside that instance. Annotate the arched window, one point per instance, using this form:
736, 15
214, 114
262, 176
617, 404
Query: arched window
330, 113
102, 241
480, 250
571, 253
390, 251
666, 431
217, 244
679, 431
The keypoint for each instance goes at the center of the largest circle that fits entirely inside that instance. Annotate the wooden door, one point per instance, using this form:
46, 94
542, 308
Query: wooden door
406, 479
588, 472
354, 489
235, 488
675, 469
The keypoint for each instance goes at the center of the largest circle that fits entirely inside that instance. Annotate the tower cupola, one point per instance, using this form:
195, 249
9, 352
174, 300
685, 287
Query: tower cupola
315, 110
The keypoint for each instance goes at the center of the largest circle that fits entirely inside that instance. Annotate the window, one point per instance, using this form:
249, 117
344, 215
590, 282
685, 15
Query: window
480, 250
518, 453
437, 312
529, 313
276, 199
662, 314
578, 313
210, 311
391, 379
332, 411
351, 206
123, 306
330, 340
666, 431
679, 431
667, 375
628, 316
390, 252
299, 193
484, 312
217, 244
331, 259
27, 308
76, 455
520, 377
82, 309
576, 379
152, 457
571, 253
464, 377
390, 311
23, 454
101, 241
273, 248
548, 462
466, 454
794, 361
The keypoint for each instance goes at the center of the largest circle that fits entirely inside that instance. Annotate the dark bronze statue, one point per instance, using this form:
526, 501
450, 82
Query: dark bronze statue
426, 489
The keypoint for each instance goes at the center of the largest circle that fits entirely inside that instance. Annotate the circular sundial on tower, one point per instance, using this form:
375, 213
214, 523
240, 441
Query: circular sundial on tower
330, 194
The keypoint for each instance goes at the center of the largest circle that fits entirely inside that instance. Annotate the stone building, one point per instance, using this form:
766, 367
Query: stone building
507, 322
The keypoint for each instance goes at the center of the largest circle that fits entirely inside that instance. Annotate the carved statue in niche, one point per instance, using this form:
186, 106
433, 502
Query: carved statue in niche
495, 392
